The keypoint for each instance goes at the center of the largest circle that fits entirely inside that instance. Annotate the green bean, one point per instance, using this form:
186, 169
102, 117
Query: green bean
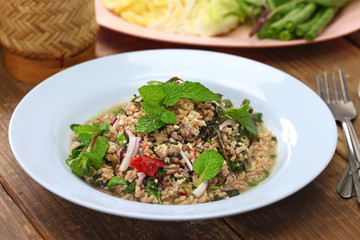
321, 23
281, 23
331, 3
286, 35
302, 16
302, 28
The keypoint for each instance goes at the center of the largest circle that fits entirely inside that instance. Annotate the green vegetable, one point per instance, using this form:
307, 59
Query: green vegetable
301, 16
158, 97
302, 28
281, 23
149, 123
92, 156
208, 165
232, 193
242, 115
122, 138
130, 188
116, 181
240, 168
151, 186
256, 182
286, 35
331, 3
92, 148
321, 23
198, 92
227, 102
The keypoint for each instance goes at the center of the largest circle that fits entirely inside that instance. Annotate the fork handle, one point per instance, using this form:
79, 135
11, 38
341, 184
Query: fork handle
354, 151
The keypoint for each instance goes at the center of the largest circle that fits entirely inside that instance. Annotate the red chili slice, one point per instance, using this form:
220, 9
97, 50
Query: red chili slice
146, 164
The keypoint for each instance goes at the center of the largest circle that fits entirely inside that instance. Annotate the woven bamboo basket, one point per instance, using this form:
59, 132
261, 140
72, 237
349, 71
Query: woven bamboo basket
42, 37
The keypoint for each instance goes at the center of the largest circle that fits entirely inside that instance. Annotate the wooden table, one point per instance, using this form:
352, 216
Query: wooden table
28, 211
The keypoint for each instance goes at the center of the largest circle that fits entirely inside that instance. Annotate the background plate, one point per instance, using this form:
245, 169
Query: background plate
347, 21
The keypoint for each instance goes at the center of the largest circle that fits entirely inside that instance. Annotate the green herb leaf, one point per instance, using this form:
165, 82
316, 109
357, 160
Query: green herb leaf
94, 159
116, 181
152, 93
168, 117
79, 166
233, 192
208, 165
198, 92
256, 182
227, 102
172, 93
242, 115
130, 188
149, 123
152, 107
104, 128
151, 187
86, 128
121, 138
85, 138
101, 145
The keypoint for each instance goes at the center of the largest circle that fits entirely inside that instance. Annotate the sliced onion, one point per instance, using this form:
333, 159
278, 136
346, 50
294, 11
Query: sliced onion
183, 155
141, 178
199, 191
133, 148
187, 160
114, 121
228, 122
128, 134
123, 149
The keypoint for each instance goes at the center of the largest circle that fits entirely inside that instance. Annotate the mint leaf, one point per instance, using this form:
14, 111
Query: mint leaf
79, 166
242, 115
85, 138
152, 107
208, 165
168, 117
116, 181
104, 128
149, 123
121, 138
198, 92
86, 129
152, 93
93, 159
172, 93
100, 147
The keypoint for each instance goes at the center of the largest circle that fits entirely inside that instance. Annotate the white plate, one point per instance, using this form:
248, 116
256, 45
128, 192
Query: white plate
39, 130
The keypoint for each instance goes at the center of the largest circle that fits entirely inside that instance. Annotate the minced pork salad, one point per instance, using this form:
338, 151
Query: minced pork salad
175, 143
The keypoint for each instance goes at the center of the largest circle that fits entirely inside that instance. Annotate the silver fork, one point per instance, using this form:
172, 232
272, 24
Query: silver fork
344, 111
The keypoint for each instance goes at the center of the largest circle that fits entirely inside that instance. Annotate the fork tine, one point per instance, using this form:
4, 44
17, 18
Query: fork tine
321, 87
337, 88
344, 86
329, 91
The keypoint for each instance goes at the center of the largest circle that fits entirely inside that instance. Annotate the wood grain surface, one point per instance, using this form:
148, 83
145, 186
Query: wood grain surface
315, 212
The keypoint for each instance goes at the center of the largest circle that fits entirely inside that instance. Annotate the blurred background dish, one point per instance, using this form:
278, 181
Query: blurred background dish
344, 23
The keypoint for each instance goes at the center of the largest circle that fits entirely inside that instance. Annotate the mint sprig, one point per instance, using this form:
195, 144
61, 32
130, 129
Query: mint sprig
156, 99
208, 165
